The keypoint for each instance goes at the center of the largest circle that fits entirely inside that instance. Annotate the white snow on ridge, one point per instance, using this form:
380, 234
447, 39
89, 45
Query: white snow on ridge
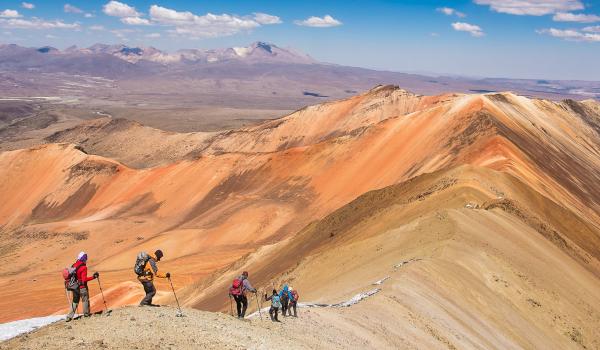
353, 301
380, 282
12, 329
357, 298
242, 51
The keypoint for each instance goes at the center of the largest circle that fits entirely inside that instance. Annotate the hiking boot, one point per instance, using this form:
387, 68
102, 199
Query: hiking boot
68, 319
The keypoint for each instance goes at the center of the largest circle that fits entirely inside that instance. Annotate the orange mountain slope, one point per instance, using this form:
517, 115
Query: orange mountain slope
256, 196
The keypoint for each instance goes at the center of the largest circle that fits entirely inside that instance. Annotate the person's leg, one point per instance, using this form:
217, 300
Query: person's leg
74, 304
276, 312
85, 300
150, 292
238, 304
244, 305
284, 306
271, 313
294, 305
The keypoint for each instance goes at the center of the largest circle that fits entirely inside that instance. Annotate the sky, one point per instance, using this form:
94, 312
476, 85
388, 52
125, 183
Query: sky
534, 39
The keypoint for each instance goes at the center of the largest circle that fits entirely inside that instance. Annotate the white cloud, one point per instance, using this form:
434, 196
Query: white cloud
575, 17
532, 7
153, 35
571, 34
68, 8
27, 5
474, 30
97, 27
135, 21
119, 9
36, 23
592, 29
319, 22
206, 26
10, 14
448, 11
50, 36
264, 18
88, 15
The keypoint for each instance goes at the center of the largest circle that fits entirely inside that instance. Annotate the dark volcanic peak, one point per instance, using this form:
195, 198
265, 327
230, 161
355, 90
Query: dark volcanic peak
47, 49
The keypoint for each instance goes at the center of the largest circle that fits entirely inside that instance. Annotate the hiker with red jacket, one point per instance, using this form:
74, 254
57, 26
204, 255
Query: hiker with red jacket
293, 294
81, 292
238, 291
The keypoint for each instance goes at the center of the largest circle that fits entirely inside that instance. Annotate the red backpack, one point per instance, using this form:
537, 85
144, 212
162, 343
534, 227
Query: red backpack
236, 287
295, 295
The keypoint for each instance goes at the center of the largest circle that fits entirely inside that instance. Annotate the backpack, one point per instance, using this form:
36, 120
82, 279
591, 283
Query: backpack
275, 301
140, 263
294, 295
236, 287
70, 276
284, 297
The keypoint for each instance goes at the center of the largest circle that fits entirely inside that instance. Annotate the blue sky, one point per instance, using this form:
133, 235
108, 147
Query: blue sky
550, 39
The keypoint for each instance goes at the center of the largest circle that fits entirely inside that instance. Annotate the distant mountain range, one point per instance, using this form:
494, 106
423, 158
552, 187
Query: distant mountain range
261, 69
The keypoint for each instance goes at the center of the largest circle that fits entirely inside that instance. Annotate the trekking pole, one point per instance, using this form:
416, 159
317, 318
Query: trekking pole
230, 305
69, 301
102, 292
258, 305
179, 314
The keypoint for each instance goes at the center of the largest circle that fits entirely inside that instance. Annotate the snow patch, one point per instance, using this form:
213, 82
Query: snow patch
357, 298
242, 51
353, 301
12, 329
380, 282
400, 264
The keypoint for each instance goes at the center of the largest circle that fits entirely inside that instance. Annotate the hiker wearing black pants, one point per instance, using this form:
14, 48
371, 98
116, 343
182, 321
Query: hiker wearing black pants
284, 296
238, 291
293, 302
275, 305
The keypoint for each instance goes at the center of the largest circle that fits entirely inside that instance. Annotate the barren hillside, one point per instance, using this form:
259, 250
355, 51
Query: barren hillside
483, 211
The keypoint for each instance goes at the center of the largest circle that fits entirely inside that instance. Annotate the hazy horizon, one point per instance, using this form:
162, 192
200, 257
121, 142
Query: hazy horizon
534, 39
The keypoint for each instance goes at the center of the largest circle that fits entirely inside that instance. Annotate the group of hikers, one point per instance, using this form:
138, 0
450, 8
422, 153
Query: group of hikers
146, 268
286, 299
76, 280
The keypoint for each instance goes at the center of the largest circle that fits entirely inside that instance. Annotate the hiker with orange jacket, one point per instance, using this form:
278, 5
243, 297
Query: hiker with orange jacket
146, 278
238, 291
81, 293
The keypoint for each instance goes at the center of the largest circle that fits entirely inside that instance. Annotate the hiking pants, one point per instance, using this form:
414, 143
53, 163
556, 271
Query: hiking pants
284, 306
81, 293
273, 311
150, 292
241, 303
292, 305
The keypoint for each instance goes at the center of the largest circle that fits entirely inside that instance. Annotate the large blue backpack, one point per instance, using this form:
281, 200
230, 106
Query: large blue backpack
275, 301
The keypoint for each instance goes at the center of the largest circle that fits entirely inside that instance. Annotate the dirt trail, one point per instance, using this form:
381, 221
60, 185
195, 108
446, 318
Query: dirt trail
158, 328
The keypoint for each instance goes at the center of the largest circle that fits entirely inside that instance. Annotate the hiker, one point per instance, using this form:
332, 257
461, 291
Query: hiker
82, 291
238, 292
275, 305
284, 296
149, 270
293, 301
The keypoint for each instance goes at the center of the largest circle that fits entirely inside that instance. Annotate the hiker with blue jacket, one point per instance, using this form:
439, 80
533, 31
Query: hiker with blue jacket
284, 296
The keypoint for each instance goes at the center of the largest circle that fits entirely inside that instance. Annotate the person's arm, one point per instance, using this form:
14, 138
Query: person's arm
248, 286
155, 269
83, 275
